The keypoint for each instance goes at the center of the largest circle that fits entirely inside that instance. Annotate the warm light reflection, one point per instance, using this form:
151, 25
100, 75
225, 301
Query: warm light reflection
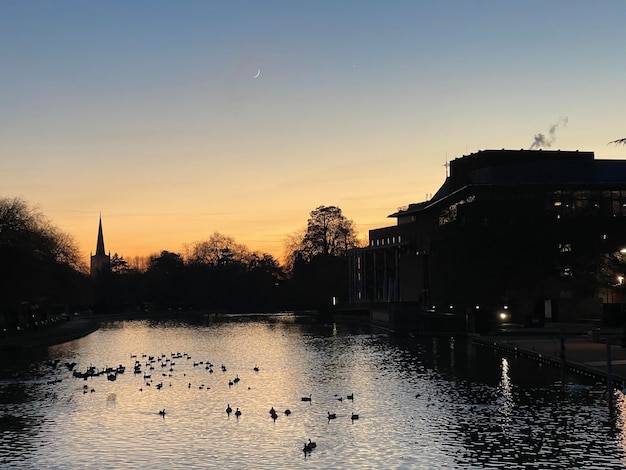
506, 387
505, 382
394, 387
620, 411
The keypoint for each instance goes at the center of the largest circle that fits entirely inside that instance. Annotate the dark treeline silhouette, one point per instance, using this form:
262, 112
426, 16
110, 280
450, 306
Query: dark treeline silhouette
42, 275
220, 274
171, 282
40, 268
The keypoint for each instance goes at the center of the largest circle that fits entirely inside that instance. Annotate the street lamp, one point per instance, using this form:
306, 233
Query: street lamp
504, 314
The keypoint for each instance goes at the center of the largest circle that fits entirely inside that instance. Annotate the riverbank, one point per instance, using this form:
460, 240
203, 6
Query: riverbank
75, 327
57, 333
581, 348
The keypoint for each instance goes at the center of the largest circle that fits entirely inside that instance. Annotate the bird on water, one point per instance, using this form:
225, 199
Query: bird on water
309, 446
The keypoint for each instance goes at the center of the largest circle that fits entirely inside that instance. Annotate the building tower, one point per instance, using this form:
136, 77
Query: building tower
100, 262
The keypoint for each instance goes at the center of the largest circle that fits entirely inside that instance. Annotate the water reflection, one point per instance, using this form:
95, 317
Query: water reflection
421, 402
506, 393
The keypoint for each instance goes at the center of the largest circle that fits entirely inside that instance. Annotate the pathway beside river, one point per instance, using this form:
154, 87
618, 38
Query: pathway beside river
60, 332
581, 348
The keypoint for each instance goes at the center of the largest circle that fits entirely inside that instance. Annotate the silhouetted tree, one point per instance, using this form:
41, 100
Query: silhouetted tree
165, 279
227, 275
265, 280
328, 233
125, 292
39, 264
218, 250
119, 265
318, 259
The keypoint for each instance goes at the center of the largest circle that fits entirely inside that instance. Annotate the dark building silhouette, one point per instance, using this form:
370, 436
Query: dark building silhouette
100, 262
533, 235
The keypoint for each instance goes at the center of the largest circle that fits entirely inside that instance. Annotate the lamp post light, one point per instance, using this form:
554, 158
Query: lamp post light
620, 290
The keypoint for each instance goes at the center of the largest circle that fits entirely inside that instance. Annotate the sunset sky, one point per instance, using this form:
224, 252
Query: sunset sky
149, 112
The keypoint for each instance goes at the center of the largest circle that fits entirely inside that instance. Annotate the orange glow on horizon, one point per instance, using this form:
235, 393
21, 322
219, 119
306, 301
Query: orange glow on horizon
146, 235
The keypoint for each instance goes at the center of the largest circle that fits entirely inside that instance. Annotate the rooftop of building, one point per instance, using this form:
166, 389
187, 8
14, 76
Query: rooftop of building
526, 167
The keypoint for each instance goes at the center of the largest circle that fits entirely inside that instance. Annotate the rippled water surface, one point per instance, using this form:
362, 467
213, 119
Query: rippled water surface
421, 402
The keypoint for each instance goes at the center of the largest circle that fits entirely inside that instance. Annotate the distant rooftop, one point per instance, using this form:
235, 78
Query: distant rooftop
525, 167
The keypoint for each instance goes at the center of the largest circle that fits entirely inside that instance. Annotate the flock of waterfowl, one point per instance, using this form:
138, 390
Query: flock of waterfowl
146, 365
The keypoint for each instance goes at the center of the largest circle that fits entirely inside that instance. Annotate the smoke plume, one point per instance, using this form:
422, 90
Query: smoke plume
541, 140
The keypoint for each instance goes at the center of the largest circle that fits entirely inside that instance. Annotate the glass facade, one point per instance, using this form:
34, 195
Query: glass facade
574, 203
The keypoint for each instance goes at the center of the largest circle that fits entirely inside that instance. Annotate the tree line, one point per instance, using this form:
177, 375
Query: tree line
42, 270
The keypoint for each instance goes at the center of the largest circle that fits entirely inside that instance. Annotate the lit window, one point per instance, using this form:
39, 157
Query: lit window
565, 247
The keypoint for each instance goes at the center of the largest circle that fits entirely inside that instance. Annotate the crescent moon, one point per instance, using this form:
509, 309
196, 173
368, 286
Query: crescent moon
258, 72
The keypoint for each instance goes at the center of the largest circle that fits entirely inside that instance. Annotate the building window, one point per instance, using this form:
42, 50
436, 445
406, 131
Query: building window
565, 247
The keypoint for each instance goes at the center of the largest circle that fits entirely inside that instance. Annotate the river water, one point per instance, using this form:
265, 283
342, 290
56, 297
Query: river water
428, 403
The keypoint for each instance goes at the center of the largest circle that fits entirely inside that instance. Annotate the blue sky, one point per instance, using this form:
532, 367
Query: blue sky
148, 112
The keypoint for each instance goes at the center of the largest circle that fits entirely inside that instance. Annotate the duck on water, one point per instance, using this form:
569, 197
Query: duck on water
309, 446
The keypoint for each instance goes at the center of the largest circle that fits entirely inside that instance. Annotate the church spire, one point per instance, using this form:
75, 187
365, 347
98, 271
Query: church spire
100, 262
100, 244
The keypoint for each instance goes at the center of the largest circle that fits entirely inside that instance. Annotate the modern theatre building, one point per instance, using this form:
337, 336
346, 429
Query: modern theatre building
518, 235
